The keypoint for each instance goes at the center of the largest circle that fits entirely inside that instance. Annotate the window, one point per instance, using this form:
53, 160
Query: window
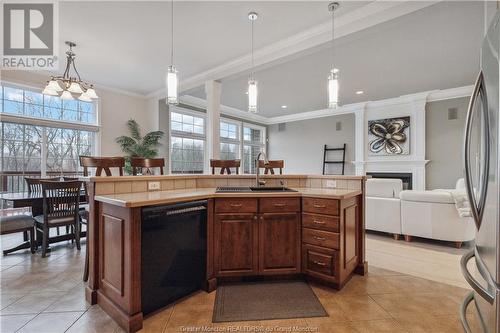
253, 144
42, 135
241, 139
229, 140
187, 141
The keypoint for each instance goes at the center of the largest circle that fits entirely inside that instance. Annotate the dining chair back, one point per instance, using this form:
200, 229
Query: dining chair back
225, 166
60, 208
102, 164
271, 165
35, 185
61, 199
146, 164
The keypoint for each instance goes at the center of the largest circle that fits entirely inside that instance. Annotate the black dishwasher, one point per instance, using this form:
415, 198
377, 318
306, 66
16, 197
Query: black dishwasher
174, 245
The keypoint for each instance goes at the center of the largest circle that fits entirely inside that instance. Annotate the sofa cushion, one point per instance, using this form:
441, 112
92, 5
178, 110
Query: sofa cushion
383, 188
435, 196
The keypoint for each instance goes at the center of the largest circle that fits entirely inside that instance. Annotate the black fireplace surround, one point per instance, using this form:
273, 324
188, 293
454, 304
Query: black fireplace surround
406, 178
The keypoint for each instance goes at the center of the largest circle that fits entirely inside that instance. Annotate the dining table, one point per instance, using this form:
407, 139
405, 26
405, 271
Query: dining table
35, 201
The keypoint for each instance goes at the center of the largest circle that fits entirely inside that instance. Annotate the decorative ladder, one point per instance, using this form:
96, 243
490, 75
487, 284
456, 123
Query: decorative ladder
325, 161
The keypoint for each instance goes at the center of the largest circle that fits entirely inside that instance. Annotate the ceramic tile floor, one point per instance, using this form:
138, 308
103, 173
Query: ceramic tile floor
47, 295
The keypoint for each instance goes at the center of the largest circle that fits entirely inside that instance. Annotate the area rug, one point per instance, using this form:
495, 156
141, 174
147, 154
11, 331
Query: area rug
266, 300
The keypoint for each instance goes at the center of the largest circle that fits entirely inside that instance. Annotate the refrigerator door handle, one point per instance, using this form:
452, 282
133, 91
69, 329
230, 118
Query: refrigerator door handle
463, 311
477, 208
483, 292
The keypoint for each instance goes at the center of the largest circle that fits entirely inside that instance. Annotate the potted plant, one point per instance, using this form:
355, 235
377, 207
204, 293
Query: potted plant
137, 145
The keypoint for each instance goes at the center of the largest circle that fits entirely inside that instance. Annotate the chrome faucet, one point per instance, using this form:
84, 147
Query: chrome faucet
259, 182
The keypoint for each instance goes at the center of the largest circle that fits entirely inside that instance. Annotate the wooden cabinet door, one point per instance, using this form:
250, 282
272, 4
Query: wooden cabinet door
236, 244
279, 243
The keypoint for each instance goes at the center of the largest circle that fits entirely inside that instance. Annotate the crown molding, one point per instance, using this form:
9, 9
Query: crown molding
225, 110
421, 97
374, 13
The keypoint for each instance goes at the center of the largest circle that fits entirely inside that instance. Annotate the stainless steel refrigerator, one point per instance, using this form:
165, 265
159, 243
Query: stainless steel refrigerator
481, 153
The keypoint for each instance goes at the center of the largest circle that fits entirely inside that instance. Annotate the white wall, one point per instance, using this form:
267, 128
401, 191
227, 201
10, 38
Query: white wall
301, 143
444, 141
115, 108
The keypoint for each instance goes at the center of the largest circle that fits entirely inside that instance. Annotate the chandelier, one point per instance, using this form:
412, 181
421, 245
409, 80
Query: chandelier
68, 87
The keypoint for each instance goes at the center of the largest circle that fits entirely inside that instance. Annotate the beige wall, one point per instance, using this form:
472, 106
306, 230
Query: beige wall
115, 108
301, 143
443, 142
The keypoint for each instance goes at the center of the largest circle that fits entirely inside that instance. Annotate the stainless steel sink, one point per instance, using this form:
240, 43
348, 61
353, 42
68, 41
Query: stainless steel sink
249, 189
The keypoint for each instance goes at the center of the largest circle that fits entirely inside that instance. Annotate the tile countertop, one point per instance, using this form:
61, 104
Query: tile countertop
168, 197
244, 176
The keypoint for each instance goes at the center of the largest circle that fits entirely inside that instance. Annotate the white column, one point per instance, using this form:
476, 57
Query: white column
360, 129
213, 91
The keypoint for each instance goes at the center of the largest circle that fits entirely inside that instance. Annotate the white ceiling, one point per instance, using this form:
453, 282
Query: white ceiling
126, 45
434, 48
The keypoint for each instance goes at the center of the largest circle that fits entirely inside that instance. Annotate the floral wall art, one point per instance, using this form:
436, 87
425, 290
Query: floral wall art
389, 136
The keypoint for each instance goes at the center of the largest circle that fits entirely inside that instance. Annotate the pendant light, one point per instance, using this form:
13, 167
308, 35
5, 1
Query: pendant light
333, 78
68, 87
252, 83
172, 75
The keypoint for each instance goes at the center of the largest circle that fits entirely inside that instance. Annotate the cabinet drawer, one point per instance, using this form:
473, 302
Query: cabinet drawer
321, 238
276, 205
236, 205
321, 206
320, 262
323, 222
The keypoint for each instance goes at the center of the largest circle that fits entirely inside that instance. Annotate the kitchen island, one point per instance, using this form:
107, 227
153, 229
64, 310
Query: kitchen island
315, 232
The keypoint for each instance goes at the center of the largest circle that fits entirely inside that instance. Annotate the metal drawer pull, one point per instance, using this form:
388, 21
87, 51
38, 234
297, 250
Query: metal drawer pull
236, 205
319, 222
319, 206
319, 263
463, 311
319, 238
279, 204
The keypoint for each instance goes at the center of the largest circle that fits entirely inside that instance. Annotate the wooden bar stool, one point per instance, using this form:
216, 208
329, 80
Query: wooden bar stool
146, 163
225, 166
271, 165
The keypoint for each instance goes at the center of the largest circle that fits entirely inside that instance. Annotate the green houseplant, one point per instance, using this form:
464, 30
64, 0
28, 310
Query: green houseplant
137, 145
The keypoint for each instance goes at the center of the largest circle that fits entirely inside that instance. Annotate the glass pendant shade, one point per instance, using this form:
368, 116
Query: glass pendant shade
85, 97
91, 93
49, 91
53, 85
252, 96
66, 95
333, 89
172, 86
75, 88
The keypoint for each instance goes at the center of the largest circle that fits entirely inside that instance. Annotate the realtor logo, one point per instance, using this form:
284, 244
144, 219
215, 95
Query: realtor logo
29, 35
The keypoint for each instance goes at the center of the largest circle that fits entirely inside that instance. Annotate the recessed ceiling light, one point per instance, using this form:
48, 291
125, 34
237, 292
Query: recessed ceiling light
360, 92
246, 92
284, 106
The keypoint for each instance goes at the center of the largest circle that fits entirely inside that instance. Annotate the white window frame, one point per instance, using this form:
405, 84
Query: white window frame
241, 142
238, 140
262, 145
181, 134
53, 123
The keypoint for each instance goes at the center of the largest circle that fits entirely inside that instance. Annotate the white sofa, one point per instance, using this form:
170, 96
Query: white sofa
432, 214
383, 209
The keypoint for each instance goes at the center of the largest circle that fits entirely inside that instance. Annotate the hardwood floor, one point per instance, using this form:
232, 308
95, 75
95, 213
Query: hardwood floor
433, 260
46, 295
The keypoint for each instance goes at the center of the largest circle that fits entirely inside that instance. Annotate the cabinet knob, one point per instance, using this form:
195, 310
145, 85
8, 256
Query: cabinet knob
255, 217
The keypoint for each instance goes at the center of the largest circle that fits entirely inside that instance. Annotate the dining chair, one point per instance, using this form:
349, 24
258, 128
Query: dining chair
61, 201
271, 165
101, 164
35, 188
146, 164
225, 166
19, 223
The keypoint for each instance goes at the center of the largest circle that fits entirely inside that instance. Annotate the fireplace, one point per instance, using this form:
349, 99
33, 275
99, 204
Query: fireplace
406, 178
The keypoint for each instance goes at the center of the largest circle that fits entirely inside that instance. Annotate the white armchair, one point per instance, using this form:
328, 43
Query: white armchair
432, 214
383, 210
